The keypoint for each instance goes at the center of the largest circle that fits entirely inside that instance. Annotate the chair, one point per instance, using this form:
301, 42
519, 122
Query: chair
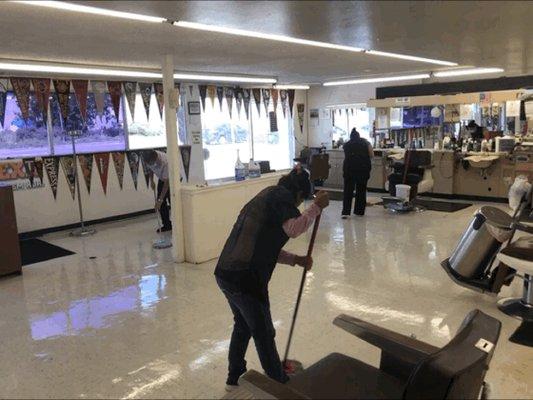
409, 368
418, 174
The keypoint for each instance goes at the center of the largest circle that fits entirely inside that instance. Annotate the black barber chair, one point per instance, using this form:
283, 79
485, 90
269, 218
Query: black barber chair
409, 368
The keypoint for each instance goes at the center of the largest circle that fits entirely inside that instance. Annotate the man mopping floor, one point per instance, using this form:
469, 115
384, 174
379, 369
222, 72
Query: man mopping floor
248, 259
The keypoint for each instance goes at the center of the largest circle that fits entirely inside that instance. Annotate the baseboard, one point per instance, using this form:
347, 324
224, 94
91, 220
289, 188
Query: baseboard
41, 232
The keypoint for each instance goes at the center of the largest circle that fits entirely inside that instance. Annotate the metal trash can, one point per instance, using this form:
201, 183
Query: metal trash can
482, 239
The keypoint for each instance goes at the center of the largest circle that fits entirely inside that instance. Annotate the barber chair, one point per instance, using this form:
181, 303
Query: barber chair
316, 160
408, 368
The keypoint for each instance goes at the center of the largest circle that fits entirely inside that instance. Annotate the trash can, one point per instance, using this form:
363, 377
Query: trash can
402, 191
489, 228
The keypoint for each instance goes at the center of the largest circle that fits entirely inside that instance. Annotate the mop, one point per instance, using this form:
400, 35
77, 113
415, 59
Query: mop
293, 366
161, 242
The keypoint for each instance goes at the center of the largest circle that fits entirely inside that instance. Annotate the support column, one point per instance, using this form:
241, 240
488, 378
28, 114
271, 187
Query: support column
174, 163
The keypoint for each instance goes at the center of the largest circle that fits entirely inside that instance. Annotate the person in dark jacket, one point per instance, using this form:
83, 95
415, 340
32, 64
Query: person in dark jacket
247, 261
356, 169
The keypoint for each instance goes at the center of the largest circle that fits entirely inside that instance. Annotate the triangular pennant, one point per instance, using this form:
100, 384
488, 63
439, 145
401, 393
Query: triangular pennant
146, 171
51, 165
130, 89
99, 89
102, 164
86, 164
257, 98
29, 168
11, 170
42, 94
67, 164
21, 87
115, 91
118, 161
158, 89
301, 112
351, 109
146, 94
283, 95
266, 98
229, 94
203, 94
62, 88
246, 101
81, 87
38, 165
220, 96
274, 94
3, 99
238, 100
291, 92
133, 161
185, 151
212, 93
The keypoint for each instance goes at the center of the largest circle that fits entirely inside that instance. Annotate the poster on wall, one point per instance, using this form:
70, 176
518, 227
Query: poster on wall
301, 112
86, 164
115, 91
159, 96
512, 108
291, 94
257, 98
185, 151
283, 97
196, 137
273, 119
203, 94
62, 88
42, 94
67, 164
51, 166
130, 90
102, 165
80, 91
246, 101
466, 112
133, 162
21, 87
146, 94
118, 161
99, 89
314, 116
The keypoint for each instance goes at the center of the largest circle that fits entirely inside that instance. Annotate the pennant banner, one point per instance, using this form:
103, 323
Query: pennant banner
86, 164
118, 161
80, 91
274, 94
158, 89
42, 94
133, 161
29, 169
185, 151
67, 163
301, 112
283, 95
21, 87
99, 89
38, 165
203, 94
3, 99
266, 99
291, 100
62, 88
146, 94
130, 89
212, 93
147, 171
238, 100
229, 93
257, 98
102, 164
220, 96
246, 101
51, 165
115, 91
12, 170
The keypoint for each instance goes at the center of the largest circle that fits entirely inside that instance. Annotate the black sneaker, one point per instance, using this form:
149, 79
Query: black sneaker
164, 229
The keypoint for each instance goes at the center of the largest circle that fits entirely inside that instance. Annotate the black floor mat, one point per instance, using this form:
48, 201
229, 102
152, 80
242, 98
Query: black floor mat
524, 334
35, 250
444, 206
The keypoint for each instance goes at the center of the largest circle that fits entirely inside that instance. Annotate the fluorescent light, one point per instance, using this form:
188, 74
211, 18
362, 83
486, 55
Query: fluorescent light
297, 87
92, 10
377, 80
471, 71
57, 69
351, 105
268, 36
410, 58
222, 78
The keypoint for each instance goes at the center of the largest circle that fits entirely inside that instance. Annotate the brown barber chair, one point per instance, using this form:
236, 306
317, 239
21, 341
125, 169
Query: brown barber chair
409, 368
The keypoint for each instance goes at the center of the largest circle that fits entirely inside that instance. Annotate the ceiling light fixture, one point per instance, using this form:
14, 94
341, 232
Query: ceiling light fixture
377, 80
61, 5
470, 71
410, 58
296, 87
222, 78
59, 69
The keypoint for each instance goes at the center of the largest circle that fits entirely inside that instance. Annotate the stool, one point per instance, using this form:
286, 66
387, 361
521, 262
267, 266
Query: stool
519, 255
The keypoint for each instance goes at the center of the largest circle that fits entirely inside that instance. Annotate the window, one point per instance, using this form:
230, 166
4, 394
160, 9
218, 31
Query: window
340, 126
360, 119
19, 137
344, 120
145, 132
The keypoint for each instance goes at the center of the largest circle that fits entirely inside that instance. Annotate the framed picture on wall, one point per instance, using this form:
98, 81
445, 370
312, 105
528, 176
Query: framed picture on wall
194, 107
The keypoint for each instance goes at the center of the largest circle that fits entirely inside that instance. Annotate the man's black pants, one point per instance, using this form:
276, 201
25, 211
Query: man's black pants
359, 184
252, 318
164, 211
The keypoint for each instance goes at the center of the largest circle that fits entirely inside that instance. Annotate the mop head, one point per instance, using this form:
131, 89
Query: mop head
292, 367
162, 244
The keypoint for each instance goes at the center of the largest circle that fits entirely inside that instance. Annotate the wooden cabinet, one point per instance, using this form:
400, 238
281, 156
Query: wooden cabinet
10, 261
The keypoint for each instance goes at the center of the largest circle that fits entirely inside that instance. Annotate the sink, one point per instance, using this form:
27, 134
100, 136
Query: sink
481, 161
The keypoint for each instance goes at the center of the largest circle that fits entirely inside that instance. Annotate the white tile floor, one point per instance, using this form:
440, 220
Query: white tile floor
130, 323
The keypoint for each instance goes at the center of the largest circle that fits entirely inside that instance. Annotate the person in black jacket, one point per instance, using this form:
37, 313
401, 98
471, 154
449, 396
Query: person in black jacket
356, 169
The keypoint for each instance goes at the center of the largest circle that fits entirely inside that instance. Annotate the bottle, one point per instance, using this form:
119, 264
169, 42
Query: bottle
254, 170
240, 171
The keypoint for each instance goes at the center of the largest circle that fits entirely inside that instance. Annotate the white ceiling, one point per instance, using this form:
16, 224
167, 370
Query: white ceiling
488, 34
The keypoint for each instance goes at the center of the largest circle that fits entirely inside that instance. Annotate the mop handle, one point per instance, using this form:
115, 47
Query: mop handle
300, 291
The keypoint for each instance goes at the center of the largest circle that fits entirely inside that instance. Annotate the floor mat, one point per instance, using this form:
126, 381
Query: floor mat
433, 205
524, 334
36, 250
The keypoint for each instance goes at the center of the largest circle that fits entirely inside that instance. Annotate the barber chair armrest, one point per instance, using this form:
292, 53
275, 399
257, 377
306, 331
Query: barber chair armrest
262, 387
523, 227
394, 344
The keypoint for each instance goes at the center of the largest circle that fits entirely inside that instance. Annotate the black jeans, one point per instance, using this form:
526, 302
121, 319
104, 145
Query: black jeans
251, 318
164, 211
359, 184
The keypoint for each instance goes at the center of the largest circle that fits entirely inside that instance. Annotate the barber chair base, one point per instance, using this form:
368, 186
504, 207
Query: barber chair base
399, 205
516, 308
479, 285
